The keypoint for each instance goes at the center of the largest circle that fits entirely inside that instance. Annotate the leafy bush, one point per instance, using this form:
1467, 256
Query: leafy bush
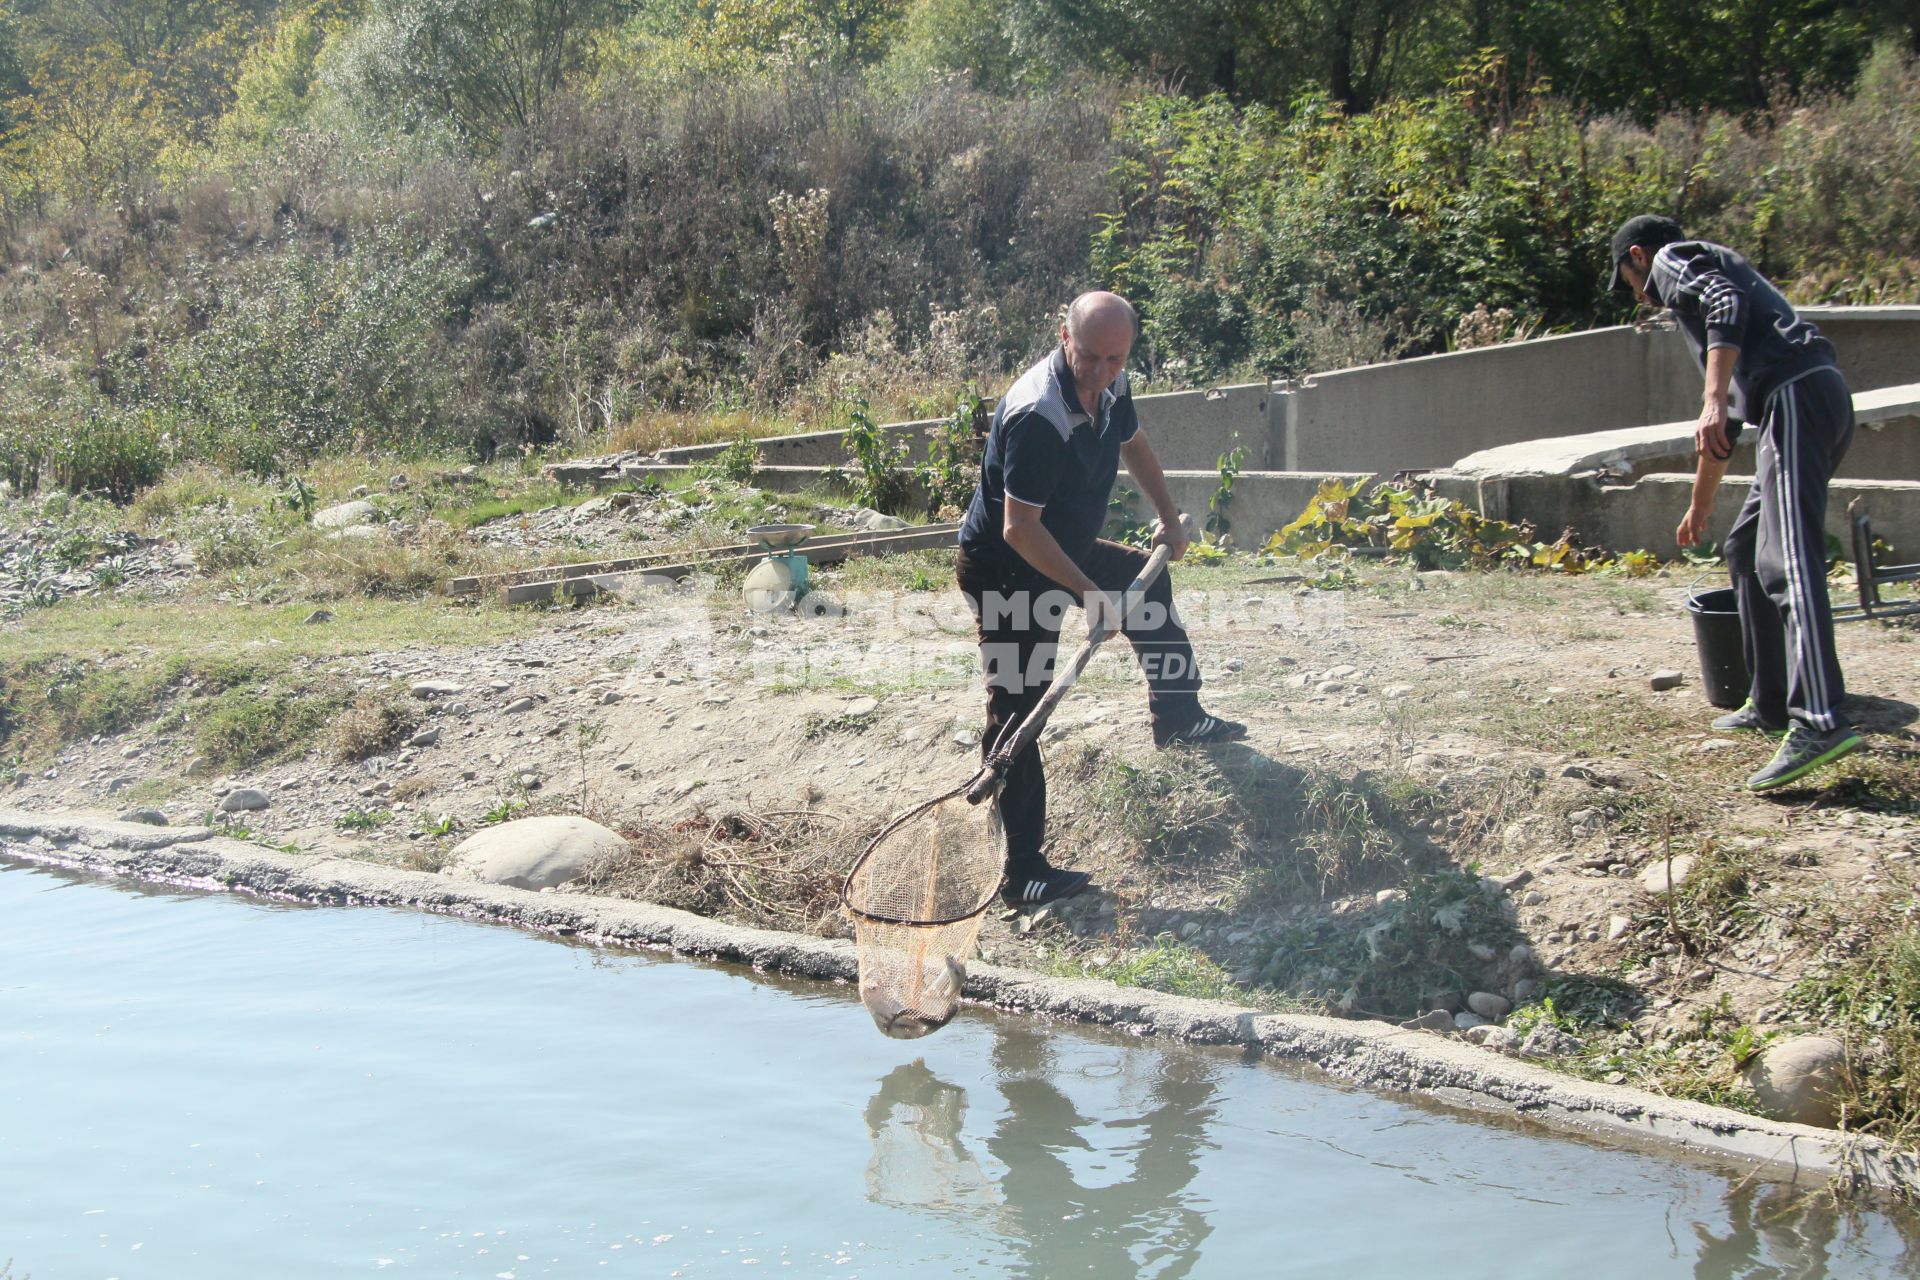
951, 472
303, 355
736, 462
1435, 533
879, 477
1261, 241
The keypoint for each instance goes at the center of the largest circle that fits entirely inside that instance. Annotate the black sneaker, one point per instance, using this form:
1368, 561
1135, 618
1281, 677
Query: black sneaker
1747, 717
1036, 889
1804, 751
1205, 731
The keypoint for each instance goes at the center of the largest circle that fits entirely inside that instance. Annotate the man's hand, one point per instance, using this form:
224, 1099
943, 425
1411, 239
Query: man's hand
1102, 609
1693, 526
1710, 437
1171, 536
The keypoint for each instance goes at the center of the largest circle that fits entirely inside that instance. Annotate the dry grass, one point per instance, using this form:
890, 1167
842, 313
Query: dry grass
374, 723
417, 784
776, 869
653, 429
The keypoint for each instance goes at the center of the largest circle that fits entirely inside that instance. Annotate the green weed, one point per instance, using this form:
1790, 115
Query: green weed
1870, 996
437, 824
736, 463
820, 726
1410, 950
243, 727
503, 810
362, 820
879, 477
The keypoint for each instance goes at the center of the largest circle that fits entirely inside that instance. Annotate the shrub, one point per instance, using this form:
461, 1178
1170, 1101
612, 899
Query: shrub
245, 726
303, 354
370, 725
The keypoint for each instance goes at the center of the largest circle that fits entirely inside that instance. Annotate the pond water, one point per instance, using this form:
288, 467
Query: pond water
208, 1086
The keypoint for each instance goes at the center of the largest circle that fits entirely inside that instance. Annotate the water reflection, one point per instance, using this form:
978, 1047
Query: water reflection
1086, 1161
1069, 1190
919, 1159
1772, 1231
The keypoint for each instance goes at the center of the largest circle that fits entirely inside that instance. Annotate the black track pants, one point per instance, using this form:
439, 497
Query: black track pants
1019, 612
1777, 553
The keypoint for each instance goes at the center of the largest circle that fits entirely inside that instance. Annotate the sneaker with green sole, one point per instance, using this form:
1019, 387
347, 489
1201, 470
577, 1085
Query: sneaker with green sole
1747, 717
1803, 751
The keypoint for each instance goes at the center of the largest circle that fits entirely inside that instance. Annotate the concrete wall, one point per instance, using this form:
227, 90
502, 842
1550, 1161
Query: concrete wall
812, 448
1263, 501
1425, 413
1644, 513
1877, 346
1193, 430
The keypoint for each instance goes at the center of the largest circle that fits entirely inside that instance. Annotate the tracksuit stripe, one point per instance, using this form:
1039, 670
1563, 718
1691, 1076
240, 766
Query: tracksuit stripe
1793, 544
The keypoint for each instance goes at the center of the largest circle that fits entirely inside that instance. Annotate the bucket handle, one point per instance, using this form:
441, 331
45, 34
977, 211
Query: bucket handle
1689, 588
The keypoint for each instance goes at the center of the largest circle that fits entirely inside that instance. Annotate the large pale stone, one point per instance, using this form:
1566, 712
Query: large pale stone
1655, 880
1800, 1079
243, 799
345, 515
1489, 1006
533, 853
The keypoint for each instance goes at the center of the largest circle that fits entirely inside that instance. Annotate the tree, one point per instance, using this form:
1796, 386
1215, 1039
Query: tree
486, 66
13, 70
275, 78
839, 31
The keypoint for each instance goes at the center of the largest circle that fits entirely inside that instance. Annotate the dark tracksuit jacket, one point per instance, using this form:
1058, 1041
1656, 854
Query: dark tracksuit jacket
1784, 379
1046, 451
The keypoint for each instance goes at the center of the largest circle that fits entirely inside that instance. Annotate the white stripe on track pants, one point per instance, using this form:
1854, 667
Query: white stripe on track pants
1777, 553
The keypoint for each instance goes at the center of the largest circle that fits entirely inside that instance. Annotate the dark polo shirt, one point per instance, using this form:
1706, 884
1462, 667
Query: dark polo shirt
1048, 452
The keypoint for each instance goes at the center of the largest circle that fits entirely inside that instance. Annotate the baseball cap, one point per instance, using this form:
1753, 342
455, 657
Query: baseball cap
1648, 230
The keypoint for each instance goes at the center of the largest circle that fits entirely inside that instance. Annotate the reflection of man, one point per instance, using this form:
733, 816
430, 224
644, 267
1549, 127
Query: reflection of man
1140, 1224
1749, 342
919, 1158
1065, 1213
1030, 544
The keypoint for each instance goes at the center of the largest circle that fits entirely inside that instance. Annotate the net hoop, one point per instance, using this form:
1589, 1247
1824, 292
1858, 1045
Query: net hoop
846, 886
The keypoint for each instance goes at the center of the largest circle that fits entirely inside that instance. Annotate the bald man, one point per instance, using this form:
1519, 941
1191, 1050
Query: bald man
1030, 547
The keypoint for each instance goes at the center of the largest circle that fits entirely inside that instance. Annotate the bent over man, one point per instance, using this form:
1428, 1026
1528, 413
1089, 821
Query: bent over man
1760, 357
1030, 545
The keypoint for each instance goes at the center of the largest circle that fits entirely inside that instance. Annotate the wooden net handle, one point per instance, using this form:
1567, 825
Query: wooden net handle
1011, 745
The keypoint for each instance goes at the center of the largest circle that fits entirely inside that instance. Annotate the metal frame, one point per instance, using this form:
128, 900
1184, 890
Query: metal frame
1870, 578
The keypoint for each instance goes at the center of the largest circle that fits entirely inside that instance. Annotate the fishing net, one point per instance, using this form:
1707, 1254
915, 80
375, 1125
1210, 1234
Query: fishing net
918, 896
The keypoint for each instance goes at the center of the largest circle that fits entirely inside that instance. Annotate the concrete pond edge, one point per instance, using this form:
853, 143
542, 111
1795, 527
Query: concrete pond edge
1375, 1055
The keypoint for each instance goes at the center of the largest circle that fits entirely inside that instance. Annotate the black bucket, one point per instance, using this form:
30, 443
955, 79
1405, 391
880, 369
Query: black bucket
1716, 636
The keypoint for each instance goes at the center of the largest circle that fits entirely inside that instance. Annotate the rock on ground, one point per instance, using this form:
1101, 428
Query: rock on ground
1489, 1006
1655, 880
345, 515
533, 853
243, 799
1489, 1036
1800, 1079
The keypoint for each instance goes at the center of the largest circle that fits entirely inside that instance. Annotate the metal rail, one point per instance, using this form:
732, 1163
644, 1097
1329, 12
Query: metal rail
594, 576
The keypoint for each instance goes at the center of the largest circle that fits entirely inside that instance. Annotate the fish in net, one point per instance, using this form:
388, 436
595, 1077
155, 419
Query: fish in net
918, 895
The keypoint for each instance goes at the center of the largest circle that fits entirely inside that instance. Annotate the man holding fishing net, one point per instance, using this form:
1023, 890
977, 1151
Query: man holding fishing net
1030, 547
